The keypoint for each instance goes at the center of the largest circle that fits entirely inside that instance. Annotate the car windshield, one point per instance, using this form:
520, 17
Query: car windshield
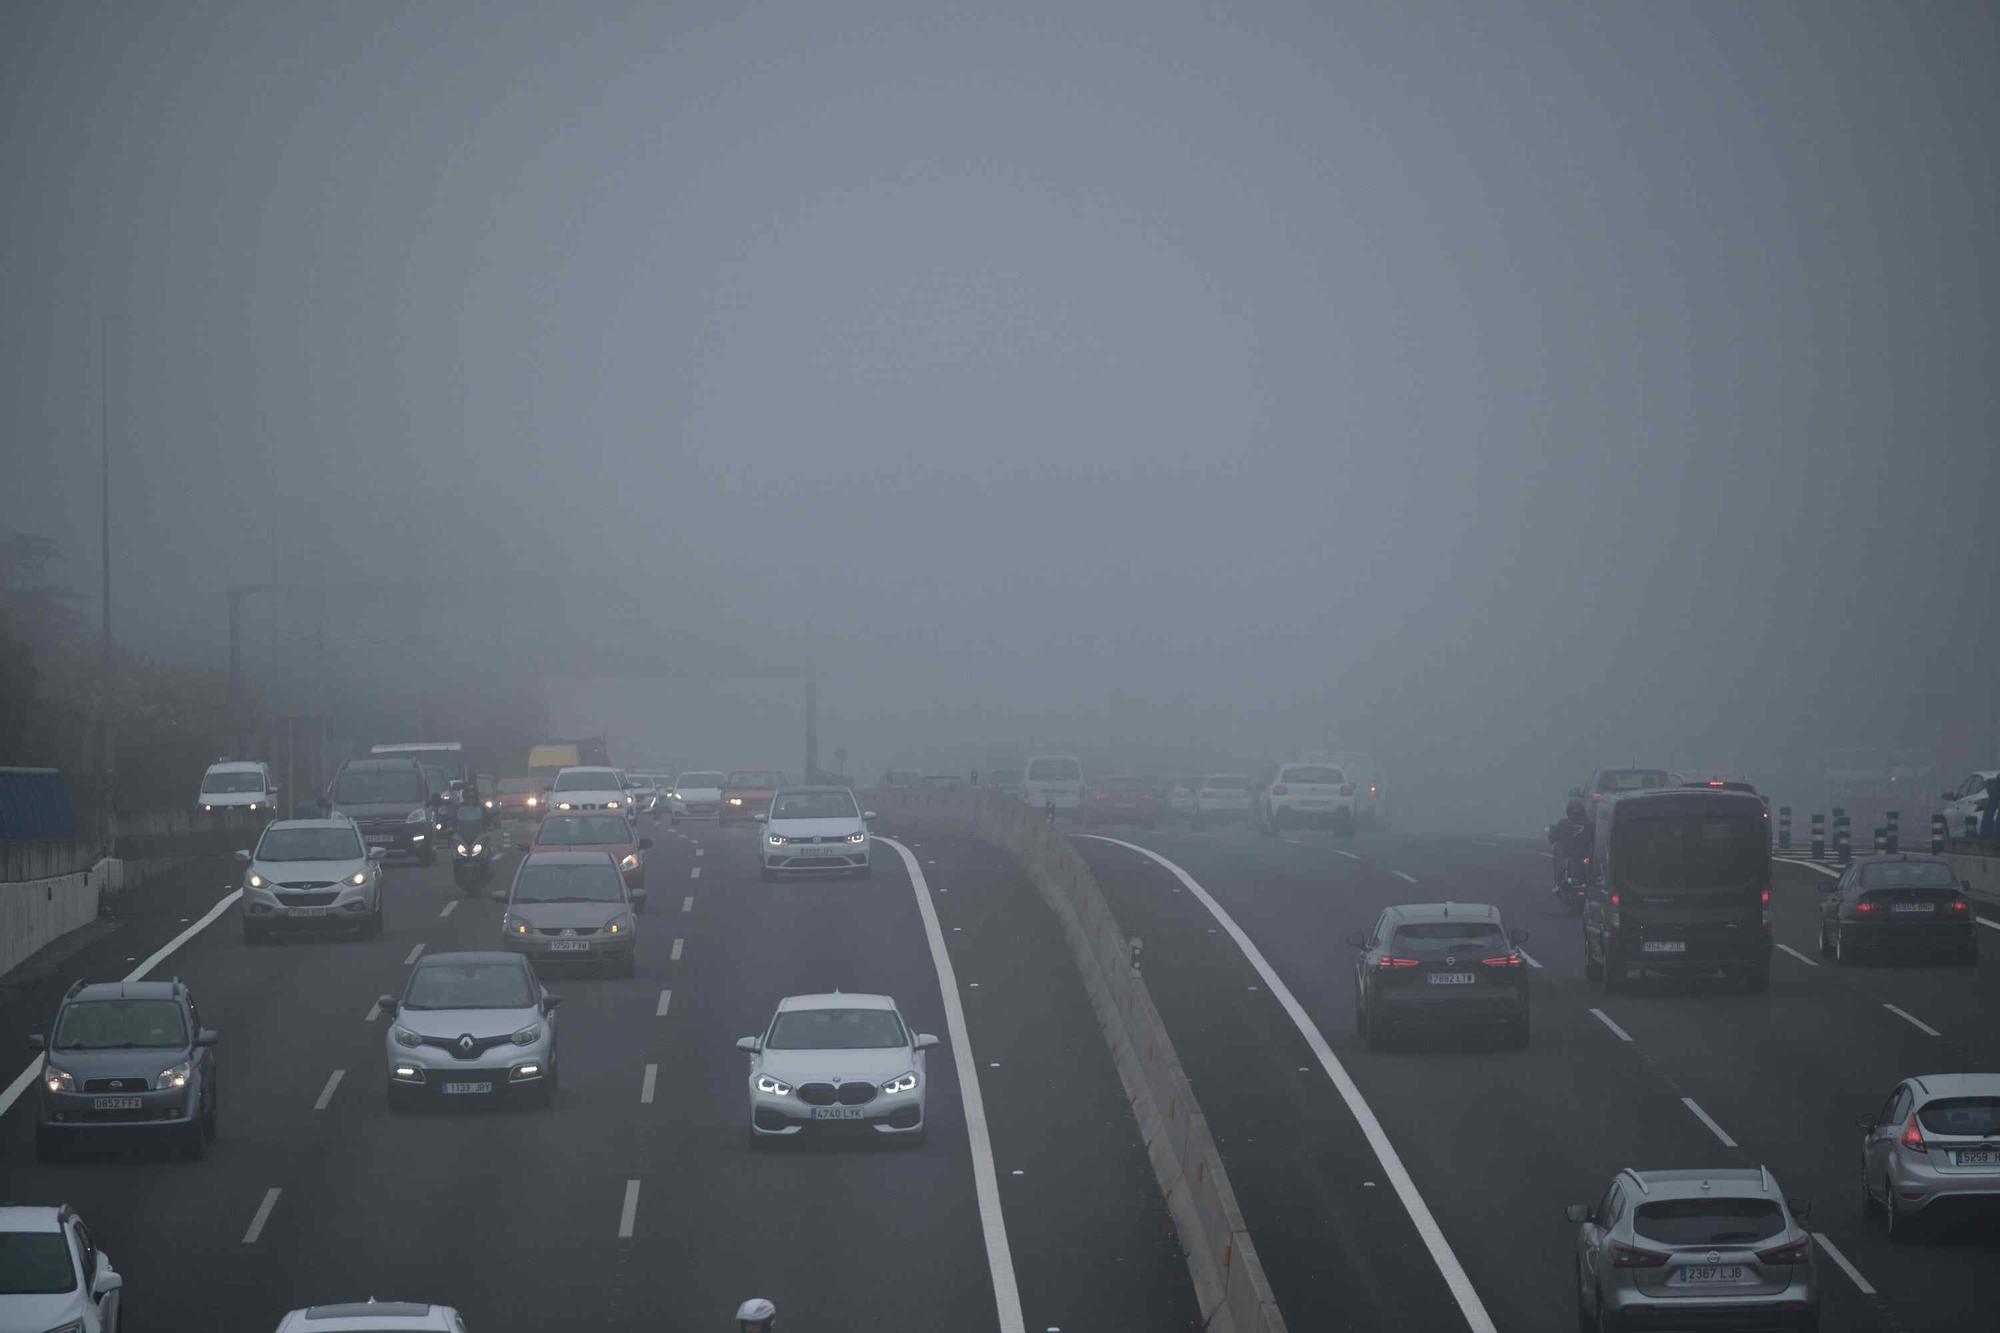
1631, 779
584, 830
379, 786
36, 1263
588, 779
756, 778
1227, 782
836, 1030
1054, 770
221, 784
1690, 851
1908, 875
687, 780
1692, 1223
815, 805
1315, 773
1422, 939
573, 882
479, 985
310, 844
88, 1025
516, 786
1974, 1117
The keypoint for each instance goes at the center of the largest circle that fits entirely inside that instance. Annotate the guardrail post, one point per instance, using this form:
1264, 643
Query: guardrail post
1784, 828
1818, 836
1937, 834
1895, 831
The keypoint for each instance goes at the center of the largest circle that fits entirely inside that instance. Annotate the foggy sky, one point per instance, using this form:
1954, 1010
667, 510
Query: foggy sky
1501, 388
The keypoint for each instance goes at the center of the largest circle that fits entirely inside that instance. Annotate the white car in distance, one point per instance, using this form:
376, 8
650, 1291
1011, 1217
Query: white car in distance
696, 795
588, 789
814, 831
1222, 796
835, 1061
238, 784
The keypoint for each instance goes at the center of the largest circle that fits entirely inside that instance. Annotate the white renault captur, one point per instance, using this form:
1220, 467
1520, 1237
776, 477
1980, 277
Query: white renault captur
814, 831
312, 874
837, 1059
471, 1026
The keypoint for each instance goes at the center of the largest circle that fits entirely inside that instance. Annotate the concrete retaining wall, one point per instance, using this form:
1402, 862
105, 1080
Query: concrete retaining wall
1229, 1280
36, 912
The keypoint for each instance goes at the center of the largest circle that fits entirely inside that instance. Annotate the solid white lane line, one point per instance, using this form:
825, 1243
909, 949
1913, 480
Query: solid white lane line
1809, 962
985, 1179
1407, 879
694, 873
1455, 1280
1708, 1120
676, 954
1550, 855
326, 1093
449, 908
1840, 1261
646, 1086
263, 1215
21, 1081
687, 904
630, 1211
666, 998
416, 952
1338, 851
1605, 1019
1828, 871
1913, 1021
1526, 957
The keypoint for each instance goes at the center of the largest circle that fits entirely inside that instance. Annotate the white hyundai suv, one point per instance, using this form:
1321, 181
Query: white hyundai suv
312, 875
52, 1275
832, 1059
1306, 793
814, 830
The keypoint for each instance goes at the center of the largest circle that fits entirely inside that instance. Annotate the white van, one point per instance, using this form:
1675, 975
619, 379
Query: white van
1054, 780
238, 784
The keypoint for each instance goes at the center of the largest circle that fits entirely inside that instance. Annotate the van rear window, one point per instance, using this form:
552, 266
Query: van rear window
1690, 851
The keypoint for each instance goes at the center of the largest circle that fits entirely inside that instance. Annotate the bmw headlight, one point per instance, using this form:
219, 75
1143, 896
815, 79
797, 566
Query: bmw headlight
777, 840
611, 805
358, 878
256, 881
618, 925
416, 817
175, 1076
902, 1083
528, 1035
765, 1083
405, 1037
58, 1080
857, 837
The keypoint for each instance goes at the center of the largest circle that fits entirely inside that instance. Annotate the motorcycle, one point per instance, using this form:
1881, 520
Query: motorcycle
474, 843
1573, 882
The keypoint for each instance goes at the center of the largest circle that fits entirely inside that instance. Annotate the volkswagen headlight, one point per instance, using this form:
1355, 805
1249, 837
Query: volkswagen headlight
462, 851
256, 881
765, 1083
405, 1037
902, 1083
358, 878
618, 925
175, 1076
857, 837
528, 1035
416, 816
58, 1080
777, 839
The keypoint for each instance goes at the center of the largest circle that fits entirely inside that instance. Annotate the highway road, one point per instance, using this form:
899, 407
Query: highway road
1496, 1142
636, 1202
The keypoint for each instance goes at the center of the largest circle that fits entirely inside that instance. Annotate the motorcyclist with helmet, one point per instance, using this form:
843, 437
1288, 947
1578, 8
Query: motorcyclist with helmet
1570, 838
756, 1315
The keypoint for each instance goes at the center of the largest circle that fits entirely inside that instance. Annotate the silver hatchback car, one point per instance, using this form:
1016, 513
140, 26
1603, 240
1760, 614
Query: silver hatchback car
1932, 1150
1695, 1249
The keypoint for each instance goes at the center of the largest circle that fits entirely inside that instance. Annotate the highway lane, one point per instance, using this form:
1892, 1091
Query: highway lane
531, 1219
1498, 1141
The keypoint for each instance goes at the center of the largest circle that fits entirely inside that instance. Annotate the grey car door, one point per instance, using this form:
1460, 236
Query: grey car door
1590, 1244
1882, 1138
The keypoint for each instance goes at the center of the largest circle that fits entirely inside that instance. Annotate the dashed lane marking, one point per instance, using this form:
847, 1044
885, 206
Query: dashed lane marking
416, 952
1708, 1120
1352, 856
263, 1215
1990, 925
449, 908
687, 904
1449, 1268
666, 998
1407, 879
1840, 1261
1913, 1021
374, 1012
630, 1212
1809, 962
646, 1085
326, 1093
676, 954
1605, 1019
697, 849
694, 872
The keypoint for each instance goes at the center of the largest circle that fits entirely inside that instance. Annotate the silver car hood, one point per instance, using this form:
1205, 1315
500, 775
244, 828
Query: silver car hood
554, 916
291, 872
448, 1023
874, 1064
817, 828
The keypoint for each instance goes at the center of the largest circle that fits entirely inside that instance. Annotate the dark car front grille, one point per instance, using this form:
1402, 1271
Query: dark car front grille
307, 899
559, 931
305, 884
826, 1094
126, 1083
479, 1046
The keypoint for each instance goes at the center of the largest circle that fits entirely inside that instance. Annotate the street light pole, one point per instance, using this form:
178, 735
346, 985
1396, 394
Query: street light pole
105, 738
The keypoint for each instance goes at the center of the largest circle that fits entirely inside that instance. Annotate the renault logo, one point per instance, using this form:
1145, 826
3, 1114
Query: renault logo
465, 1044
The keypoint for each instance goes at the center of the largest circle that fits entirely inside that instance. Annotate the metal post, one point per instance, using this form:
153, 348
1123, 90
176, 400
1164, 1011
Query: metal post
1937, 834
235, 664
812, 724
1784, 828
1818, 836
105, 738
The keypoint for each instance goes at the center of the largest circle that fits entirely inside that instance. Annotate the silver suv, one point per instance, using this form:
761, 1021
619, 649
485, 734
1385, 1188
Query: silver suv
1933, 1148
312, 874
1712, 1248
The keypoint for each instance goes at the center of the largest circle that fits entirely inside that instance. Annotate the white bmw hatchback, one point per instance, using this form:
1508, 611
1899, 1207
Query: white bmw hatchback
837, 1060
814, 831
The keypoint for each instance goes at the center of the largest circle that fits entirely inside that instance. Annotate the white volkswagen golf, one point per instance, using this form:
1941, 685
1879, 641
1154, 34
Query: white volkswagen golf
814, 831
830, 1060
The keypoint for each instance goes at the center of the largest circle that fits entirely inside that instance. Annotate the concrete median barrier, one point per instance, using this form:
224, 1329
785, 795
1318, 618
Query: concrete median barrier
1229, 1280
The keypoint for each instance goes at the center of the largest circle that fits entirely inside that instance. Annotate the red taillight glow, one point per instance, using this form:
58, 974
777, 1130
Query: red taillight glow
1631, 1256
1281, 790
1913, 1138
1614, 900
1386, 961
1960, 905
1504, 960
1767, 896
1715, 782
1347, 789
1864, 906
1795, 1252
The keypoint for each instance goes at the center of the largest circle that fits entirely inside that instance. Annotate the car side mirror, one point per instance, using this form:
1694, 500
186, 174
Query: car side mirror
750, 1044
550, 1003
1357, 939
377, 853
1965, 886
207, 1037
637, 895
926, 1040
645, 844
1517, 936
38, 1041
105, 1282
388, 1005
243, 855
868, 814
1801, 1208
1577, 1212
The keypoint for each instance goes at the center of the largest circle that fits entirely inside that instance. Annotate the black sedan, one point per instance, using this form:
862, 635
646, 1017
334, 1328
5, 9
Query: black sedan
1900, 906
1440, 965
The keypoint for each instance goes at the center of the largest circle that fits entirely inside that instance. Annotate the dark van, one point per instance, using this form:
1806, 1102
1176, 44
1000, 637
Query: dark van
1681, 883
391, 800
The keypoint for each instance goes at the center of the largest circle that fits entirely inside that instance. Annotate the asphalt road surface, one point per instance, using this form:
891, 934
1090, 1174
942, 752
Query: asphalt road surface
635, 1202
1496, 1142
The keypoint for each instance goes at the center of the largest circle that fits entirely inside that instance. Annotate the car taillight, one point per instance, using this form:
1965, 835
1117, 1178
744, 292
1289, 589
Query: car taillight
1913, 1138
1632, 1256
1386, 961
1347, 789
1960, 905
1614, 900
1794, 1252
1371, 789
1767, 897
1504, 960
1864, 906
1280, 790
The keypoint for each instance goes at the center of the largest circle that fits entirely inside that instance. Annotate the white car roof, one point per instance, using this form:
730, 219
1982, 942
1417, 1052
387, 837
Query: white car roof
360, 1316
236, 766
588, 768
836, 1000
29, 1217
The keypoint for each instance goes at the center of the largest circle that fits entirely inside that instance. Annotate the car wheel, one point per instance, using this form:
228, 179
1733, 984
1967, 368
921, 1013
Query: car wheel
208, 1119
1825, 945
1843, 952
1585, 1323
1592, 969
1607, 1322
372, 927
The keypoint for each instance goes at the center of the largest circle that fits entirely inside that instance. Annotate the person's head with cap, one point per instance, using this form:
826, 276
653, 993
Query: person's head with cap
756, 1315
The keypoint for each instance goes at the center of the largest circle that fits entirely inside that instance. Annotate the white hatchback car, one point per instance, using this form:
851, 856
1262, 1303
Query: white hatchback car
836, 1059
589, 789
696, 795
1222, 796
56, 1277
814, 831
1306, 793
1966, 801
373, 1316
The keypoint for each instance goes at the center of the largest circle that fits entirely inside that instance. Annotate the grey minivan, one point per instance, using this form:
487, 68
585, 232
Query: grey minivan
391, 801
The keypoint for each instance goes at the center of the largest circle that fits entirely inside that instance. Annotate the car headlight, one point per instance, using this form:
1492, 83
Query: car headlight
489, 805
857, 837
765, 1083
514, 924
562, 805
256, 881
902, 1083
175, 1076
631, 861
478, 848
528, 1035
416, 817
405, 1037
618, 925
777, 839
534, 800
611, 805
58, 1080
736, 800
358, 878
208, 807
462, 851
253, 805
